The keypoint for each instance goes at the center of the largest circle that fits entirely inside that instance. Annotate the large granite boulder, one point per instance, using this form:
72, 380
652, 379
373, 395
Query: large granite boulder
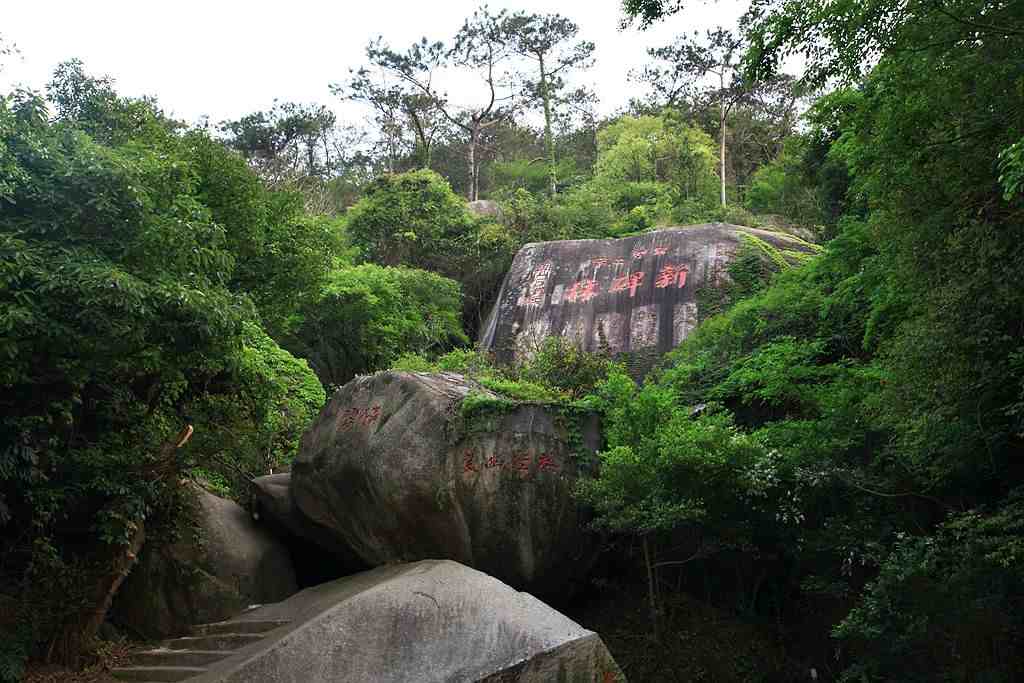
639, 296
394, 470
430, 622
223, 566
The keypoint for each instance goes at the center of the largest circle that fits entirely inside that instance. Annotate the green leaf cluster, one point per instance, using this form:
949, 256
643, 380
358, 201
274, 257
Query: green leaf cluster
367, 316
140, 265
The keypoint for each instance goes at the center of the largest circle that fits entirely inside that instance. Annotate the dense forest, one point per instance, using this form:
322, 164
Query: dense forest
832, 464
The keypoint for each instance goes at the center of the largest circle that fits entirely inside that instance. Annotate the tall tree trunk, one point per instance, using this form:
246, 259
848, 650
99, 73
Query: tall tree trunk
721, 131
474, 140
113, 562
652, 589
549, 140
81, 628
421, 139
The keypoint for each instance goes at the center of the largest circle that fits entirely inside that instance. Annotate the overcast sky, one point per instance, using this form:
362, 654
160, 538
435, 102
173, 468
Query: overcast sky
227, 58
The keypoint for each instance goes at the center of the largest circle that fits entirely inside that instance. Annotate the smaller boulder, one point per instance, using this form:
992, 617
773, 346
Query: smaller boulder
318, 554
486, 208
221, 567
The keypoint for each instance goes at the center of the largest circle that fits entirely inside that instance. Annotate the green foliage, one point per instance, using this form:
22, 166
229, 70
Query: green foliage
945, 603
124, 317
580, 213
464, 361
527, 174
656, 148
565, 368
665, 466
521, 390
413, 362
282, 254
784, 187
558, 372
650, 171
647, 166
411, 219
367, 316
1011, 165
414, 219
256, 428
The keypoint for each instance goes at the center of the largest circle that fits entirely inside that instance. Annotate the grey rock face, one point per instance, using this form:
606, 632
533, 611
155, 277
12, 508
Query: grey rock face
274, 507
636, 295
389, 467
485, 207
430, 622
234, 564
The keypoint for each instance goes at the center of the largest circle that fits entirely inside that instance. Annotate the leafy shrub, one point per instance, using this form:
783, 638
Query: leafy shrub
564, 367
369, 315
783, 186
256, 428
946, 602
121, 322
411, 219
413, 362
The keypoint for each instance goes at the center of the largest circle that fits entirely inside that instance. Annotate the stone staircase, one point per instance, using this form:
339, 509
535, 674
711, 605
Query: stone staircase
182, 658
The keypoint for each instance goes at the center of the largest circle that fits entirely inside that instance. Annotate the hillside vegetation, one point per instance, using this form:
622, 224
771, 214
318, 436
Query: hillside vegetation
833, 462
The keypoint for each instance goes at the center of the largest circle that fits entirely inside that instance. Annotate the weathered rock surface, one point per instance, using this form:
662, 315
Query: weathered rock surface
432, 621
638, 295
391, 469
486, 207
230, 565
274, 507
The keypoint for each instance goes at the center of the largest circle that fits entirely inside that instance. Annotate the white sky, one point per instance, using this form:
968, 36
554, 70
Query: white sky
227, 58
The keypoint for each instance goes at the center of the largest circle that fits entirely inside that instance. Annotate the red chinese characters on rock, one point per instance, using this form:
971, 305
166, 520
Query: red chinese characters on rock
671, 274
630, 281
350, 417
546, 463
660, 251
539, 285
519, 463
582, 291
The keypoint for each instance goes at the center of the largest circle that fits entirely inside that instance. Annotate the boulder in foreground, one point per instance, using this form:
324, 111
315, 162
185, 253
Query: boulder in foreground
429, 622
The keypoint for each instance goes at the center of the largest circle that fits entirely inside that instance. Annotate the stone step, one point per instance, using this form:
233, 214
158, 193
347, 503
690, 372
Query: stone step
154, 674
168, 657
219, 642
235, 627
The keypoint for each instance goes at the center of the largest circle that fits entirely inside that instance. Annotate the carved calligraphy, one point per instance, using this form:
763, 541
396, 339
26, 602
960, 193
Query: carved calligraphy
519, 463
350, 417
584, 290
